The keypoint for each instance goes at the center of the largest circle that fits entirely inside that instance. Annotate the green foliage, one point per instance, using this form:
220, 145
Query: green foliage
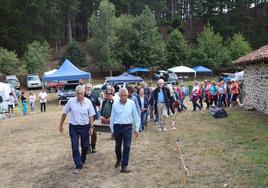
124, 34
148, 48
36, 57
9, 63
238, 46
210, 50
103, 30
74, 54
178, 52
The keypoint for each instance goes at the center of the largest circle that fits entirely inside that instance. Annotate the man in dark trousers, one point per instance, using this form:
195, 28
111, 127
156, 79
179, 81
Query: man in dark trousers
80, 125
95, 102
124, 114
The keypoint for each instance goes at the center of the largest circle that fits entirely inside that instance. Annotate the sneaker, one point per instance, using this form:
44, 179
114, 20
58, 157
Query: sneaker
93, 150
125, 170
160, 130
165, 129
77, 171
174, 128
117, 164
89, 150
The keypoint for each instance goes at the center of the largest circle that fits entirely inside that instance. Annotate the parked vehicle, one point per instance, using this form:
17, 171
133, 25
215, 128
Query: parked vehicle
226, 77
160, 74
54, 86
33, 81
67, 91
13, 81
172, 78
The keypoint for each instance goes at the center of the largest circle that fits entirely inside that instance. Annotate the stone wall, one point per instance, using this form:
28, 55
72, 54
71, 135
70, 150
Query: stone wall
256, 86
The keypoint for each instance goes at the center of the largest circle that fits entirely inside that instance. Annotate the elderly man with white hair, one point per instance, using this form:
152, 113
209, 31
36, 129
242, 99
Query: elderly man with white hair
123, 115
80, 125
161, 103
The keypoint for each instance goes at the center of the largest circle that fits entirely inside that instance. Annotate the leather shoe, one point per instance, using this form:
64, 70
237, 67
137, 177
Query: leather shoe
117, 164
125, 170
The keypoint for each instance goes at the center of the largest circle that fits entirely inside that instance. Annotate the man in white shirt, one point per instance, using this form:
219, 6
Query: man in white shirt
80, 125
43, 100
123, 115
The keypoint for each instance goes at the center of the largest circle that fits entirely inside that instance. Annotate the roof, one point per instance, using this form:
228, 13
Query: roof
201, 69
258, 55
67, 71
126, 78
138, 69
182, 69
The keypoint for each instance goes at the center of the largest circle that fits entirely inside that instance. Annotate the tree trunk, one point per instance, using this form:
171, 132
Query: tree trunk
111, 72
70, 38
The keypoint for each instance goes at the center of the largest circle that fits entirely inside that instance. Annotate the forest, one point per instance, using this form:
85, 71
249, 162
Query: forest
189, 24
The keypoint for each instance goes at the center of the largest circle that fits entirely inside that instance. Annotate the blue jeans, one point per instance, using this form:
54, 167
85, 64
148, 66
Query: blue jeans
123, 135
75, 131
143, 120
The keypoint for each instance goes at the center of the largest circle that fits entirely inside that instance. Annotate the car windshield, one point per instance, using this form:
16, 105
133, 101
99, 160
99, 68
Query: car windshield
69, 88
173, 76
33, 78
12, 81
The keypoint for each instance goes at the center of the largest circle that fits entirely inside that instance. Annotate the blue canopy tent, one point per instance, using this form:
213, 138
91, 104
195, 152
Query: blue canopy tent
124, 78
138, 69
67, 71
202, 70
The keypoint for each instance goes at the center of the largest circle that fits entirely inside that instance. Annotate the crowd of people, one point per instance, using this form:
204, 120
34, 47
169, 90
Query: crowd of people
20, 99
121, 108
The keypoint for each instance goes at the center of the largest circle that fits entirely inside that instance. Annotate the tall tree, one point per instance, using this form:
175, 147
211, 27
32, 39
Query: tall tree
148, 48
69, 10
124, 33
74, 54
238, 46
36, 57
210, 51
178, 52
104, 39
9, 63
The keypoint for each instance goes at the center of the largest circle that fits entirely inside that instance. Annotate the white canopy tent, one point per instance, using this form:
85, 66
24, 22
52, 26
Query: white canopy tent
50, 72
183, 69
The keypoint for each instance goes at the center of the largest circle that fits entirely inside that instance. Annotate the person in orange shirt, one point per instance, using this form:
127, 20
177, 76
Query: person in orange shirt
235, 93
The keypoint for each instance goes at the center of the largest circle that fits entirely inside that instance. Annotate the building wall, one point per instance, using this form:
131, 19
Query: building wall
256, 87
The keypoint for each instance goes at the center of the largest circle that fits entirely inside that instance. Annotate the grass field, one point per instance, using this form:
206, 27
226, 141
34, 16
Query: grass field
229, 152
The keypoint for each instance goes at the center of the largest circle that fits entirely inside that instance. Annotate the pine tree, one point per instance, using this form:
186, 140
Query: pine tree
148, 48
74, 54
238, 46
178, 52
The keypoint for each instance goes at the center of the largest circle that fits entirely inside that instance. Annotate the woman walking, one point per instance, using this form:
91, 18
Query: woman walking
32, 99
24, 103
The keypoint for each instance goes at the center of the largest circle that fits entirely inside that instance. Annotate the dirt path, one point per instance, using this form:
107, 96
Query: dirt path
34, 154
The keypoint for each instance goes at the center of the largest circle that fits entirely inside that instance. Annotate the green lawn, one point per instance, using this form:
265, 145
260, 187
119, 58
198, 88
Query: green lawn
232, 151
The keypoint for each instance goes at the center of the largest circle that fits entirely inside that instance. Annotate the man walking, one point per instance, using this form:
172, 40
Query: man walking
43, 100
124, 113
161, 103
95, 102
80, 125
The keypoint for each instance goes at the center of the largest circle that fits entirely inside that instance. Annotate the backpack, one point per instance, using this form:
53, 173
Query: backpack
217, 112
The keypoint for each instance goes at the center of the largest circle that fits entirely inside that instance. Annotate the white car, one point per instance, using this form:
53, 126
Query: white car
13, 81
33, 81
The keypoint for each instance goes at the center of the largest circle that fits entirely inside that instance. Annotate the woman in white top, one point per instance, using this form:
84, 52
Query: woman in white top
32, 99
11, 103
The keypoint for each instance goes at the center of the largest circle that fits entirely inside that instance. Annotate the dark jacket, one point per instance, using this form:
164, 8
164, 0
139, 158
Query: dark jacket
95, 102
106, 101
146, 101
166, 97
